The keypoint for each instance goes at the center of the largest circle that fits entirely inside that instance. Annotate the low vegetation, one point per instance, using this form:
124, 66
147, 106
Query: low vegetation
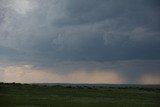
27, 95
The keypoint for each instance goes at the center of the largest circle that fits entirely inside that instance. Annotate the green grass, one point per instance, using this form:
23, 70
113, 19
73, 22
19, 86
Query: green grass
18, 95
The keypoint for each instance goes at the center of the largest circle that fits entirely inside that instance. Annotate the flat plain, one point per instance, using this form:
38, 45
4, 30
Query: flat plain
32, 95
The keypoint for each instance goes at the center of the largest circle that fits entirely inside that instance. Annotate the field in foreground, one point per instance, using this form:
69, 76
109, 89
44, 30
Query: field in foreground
25, 95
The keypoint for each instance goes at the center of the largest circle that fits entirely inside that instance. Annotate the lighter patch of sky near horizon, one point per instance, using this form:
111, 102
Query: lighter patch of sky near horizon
25, 74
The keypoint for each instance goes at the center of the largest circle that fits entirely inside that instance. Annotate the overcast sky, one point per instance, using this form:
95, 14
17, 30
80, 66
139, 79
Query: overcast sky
80, 41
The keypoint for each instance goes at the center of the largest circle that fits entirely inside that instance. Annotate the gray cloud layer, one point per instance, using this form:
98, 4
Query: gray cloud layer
83, 32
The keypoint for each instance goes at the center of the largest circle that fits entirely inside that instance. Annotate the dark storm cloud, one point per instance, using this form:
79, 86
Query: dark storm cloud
105, 30
90, 34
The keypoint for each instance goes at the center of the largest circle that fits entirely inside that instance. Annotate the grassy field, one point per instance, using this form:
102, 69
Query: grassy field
25, 95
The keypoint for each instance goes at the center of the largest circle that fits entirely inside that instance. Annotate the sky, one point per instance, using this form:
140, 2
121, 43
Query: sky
80, 41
